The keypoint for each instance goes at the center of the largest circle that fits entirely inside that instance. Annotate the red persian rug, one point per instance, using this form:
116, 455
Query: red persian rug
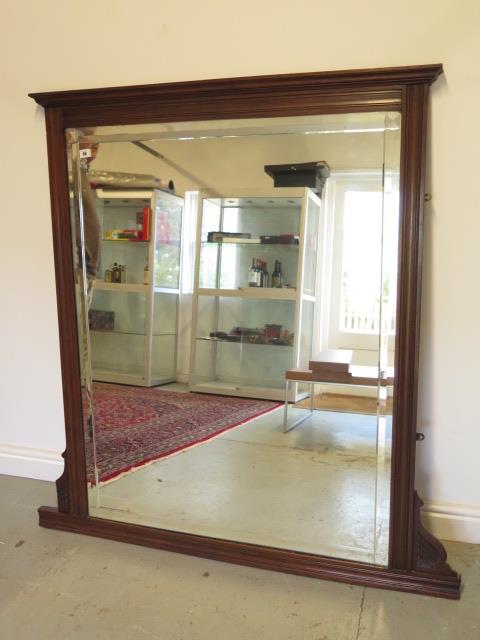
135, 425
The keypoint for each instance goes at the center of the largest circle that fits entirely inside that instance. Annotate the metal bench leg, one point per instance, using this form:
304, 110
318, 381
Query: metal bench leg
285, 411
286, 427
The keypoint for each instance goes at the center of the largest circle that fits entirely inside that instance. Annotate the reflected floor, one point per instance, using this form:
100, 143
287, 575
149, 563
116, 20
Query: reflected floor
320, 488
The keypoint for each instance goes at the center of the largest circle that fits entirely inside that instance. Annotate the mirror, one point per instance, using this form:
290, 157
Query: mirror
237, 326
275, 342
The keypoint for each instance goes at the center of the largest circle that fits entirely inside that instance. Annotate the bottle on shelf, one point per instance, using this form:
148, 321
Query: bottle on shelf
258, 273
252, 274
277, 275
264, 274
115, 273
108, 275
146, 274
123, 273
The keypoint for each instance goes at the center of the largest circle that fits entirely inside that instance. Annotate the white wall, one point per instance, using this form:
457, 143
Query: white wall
51, 45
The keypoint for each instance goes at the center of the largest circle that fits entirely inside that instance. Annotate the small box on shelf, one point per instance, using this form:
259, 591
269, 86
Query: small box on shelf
99, 320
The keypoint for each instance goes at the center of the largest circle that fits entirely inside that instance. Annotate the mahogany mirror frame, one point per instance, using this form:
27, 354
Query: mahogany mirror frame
417, 561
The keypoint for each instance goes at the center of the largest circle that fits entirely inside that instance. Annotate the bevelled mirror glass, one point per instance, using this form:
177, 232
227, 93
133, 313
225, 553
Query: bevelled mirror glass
236, 287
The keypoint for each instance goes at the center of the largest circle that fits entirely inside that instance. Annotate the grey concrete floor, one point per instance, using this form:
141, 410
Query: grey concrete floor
60, 586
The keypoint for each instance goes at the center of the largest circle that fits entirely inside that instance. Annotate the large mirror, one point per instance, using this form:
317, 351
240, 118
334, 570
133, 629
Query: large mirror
236, 298
238, 270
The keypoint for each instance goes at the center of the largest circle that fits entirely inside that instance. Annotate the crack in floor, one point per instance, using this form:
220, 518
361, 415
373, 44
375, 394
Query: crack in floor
360, 614
331, 450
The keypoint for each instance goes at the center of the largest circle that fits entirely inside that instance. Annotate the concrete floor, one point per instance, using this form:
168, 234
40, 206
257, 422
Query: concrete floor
60, 586
319, 488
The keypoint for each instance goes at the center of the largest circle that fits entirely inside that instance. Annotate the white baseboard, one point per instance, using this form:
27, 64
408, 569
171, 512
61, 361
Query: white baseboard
456, 522
39, 464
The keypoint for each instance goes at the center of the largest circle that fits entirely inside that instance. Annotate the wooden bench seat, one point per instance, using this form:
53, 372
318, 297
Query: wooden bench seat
356, 375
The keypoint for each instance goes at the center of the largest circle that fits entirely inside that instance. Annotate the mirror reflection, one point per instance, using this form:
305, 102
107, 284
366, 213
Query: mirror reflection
236, 303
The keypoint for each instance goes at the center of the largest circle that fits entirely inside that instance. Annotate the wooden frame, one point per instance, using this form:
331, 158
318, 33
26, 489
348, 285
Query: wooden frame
417, 562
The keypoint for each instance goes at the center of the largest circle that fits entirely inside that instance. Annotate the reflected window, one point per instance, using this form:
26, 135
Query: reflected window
363, 213
361, 262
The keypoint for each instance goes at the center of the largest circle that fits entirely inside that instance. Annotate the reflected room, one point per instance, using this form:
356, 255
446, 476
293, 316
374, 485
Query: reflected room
236, 304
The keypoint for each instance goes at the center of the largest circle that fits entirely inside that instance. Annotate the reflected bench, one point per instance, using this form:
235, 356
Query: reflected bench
332, 366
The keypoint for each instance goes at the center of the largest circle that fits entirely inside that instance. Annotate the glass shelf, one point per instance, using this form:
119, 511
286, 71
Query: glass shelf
129, 333
246, 343
252, 244
120, 287
126, 241
260, 293
102, 369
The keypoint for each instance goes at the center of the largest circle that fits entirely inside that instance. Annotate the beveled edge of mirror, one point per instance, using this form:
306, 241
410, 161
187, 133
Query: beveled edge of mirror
417, 561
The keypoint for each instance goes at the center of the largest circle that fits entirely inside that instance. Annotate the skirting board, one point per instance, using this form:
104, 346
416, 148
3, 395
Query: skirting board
26, 462
457, 522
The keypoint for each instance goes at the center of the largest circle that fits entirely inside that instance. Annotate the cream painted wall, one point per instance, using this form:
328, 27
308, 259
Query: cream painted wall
48, 45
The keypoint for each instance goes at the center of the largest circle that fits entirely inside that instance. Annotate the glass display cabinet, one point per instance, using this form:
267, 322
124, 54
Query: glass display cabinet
254, 291
133, 315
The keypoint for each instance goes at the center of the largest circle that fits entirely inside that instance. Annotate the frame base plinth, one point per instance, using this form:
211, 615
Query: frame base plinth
63, 494
430, 555
304, 564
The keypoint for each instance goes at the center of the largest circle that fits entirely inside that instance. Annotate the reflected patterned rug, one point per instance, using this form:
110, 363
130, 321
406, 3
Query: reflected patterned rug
135, 426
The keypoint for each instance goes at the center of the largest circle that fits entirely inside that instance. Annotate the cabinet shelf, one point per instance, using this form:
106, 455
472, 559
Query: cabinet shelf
130, 377
227, 388
244, 343
126, 241
131, 287
123, 287
255, 245
130, 333
263, 293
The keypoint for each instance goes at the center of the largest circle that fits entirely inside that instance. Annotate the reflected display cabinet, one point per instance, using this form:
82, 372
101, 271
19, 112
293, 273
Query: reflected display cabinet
254, 292
133, 323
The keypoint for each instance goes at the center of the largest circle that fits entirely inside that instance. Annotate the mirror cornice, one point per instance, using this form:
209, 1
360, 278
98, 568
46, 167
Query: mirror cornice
244, 97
